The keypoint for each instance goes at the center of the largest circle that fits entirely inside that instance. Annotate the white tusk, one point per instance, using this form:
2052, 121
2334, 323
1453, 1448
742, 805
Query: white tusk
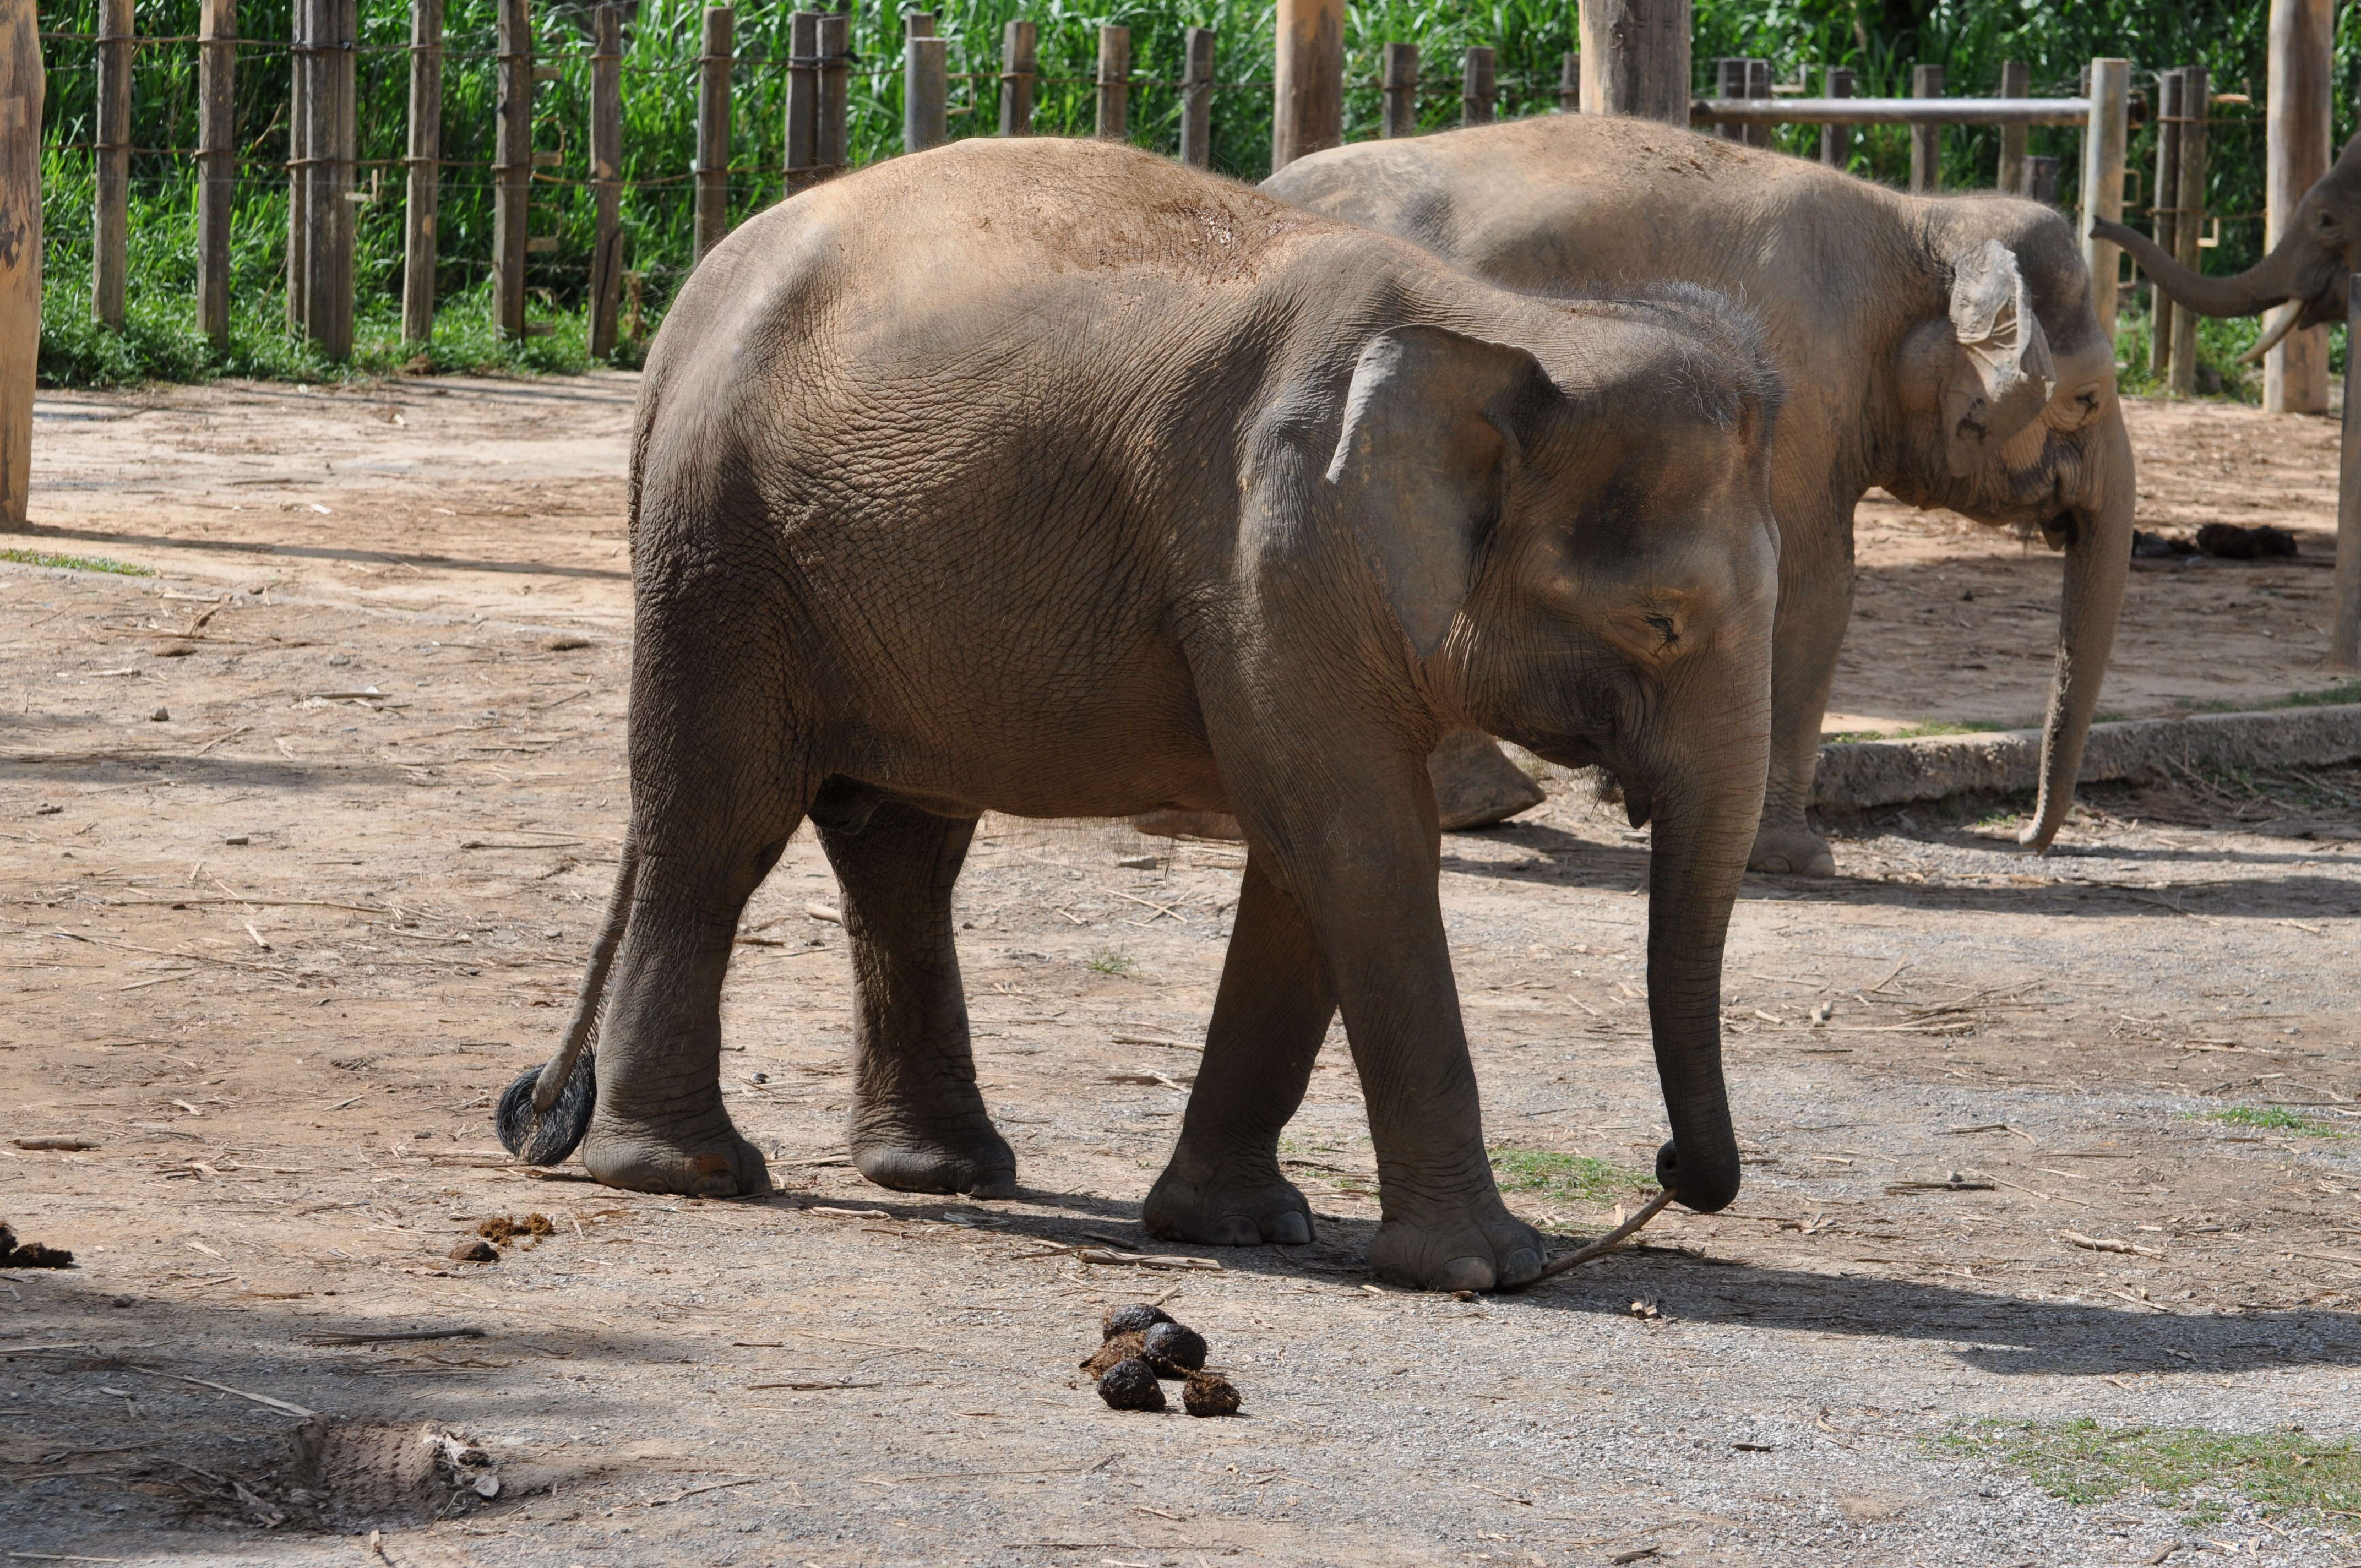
2294, 314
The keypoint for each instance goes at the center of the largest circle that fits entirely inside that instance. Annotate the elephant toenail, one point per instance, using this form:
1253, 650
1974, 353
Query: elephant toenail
1522, 1266
1291, 1230
1236, 1230
1464, 1274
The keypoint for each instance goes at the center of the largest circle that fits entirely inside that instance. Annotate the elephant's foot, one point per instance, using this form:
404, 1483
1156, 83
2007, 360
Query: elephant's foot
1474, 1246
696, 1156
1475, 785
914, 1152
1240, 1204
1793, 847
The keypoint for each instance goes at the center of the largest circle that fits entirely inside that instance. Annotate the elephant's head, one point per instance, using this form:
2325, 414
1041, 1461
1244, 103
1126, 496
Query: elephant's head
2309, 264
1585, 561
2004, 408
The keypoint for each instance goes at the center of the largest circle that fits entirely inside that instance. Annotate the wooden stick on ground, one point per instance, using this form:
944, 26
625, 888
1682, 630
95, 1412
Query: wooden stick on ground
1609, 1241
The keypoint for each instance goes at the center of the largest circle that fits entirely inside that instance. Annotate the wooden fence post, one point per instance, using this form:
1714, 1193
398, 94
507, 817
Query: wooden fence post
1197, 98
1836, 141
298, 135
2041, 179
423, 193
1635, 58
925, 90
1758, 85
1018, 53
605, 176
511, 166
2345, 632
111, 217
2015, 82
324, 160
803, 98
1569, 84
1308, 81
1926, 141
1401, 89
2188, 218
2295, 372
216, 165
711, 203
2102, 178
1480, 86
22, 81
832, 138
1114, 83
2164, 199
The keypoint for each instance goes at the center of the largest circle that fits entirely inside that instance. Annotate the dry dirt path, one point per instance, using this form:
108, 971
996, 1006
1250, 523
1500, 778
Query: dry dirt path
274, 954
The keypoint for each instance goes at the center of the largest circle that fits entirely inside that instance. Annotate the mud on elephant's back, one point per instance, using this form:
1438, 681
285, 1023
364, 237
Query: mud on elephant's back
1475, 785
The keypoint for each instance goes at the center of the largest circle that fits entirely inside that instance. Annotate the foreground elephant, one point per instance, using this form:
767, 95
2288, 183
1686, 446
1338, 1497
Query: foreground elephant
2311, 264
1055, 479
1945, 349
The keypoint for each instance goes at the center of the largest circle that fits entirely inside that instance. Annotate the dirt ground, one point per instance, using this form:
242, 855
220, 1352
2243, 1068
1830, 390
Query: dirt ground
306, 834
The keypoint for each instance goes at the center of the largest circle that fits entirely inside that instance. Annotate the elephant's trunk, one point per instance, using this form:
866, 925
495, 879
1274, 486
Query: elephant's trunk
2098, 564
2266, 283
1705, 818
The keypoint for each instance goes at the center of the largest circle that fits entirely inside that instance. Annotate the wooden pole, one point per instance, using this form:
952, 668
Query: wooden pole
1758, 85
2188, 219
1114, 83
22, 79
1836, 141
1400, 90
832, 140
2015, 82
1729, 82
606, 177
423, 196
1635, 58
1569, 84
1926, 141
2102, 178
299, 134
803, 98
1480, 86
1197, 98
111, 217
1019, 44
325, 166
1308, 105
2345, 634
2164, 196
925, 90
511, 166
2295, 372
2041, 179
216, 165
711, 201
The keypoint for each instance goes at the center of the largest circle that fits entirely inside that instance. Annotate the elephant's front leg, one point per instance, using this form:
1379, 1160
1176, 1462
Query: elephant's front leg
1223, 1186
1363, 864
1814, 605
918, 1121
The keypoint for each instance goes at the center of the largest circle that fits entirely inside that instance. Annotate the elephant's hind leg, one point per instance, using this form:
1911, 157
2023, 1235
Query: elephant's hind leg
1223, 1186
918, 1121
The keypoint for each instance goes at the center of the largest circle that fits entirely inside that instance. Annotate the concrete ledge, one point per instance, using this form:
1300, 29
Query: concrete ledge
1887, 772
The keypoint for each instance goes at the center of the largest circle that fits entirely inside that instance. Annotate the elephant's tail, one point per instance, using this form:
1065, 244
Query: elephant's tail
543, 1114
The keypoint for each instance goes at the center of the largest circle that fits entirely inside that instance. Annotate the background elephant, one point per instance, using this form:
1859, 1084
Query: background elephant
2311, 264
1056, 479
1943, 348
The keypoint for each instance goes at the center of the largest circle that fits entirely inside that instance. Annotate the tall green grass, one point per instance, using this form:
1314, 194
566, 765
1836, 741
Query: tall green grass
1880, 41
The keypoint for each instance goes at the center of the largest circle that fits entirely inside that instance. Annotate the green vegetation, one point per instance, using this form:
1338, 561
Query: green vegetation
2275, 1117
76, 562
1569, 1178
2350, 691
1112, 961
1911, 732
2283, 1474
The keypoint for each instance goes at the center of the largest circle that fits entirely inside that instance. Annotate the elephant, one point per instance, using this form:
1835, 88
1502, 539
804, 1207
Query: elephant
2311, 264
1944, 348
1055, 479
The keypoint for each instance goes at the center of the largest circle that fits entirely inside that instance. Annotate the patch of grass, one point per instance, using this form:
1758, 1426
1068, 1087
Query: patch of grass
2283, 1474
2330, 697
1913, 733
2274, 1117
1568, 1176
76, 562
1112, 961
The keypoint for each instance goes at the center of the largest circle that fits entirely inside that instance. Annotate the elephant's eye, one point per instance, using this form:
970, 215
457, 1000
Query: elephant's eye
1662, 626
2328, 220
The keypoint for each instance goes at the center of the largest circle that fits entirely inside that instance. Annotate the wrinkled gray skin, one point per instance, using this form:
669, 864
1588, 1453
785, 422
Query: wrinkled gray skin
2311, 264
1900, 327
1052, 477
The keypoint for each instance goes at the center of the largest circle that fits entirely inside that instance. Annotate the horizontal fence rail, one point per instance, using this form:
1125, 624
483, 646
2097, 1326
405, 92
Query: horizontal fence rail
1891, 111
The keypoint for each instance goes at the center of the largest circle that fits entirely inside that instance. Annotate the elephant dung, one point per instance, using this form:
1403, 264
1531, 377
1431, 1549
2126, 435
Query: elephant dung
475, 1250
1173, 1349
1118, 1347
1130, 1385
1209, 1394
30, 1254
1132, 1318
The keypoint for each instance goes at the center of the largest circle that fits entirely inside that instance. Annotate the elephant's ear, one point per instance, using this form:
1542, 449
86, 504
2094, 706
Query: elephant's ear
2005, 374
1423, 463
